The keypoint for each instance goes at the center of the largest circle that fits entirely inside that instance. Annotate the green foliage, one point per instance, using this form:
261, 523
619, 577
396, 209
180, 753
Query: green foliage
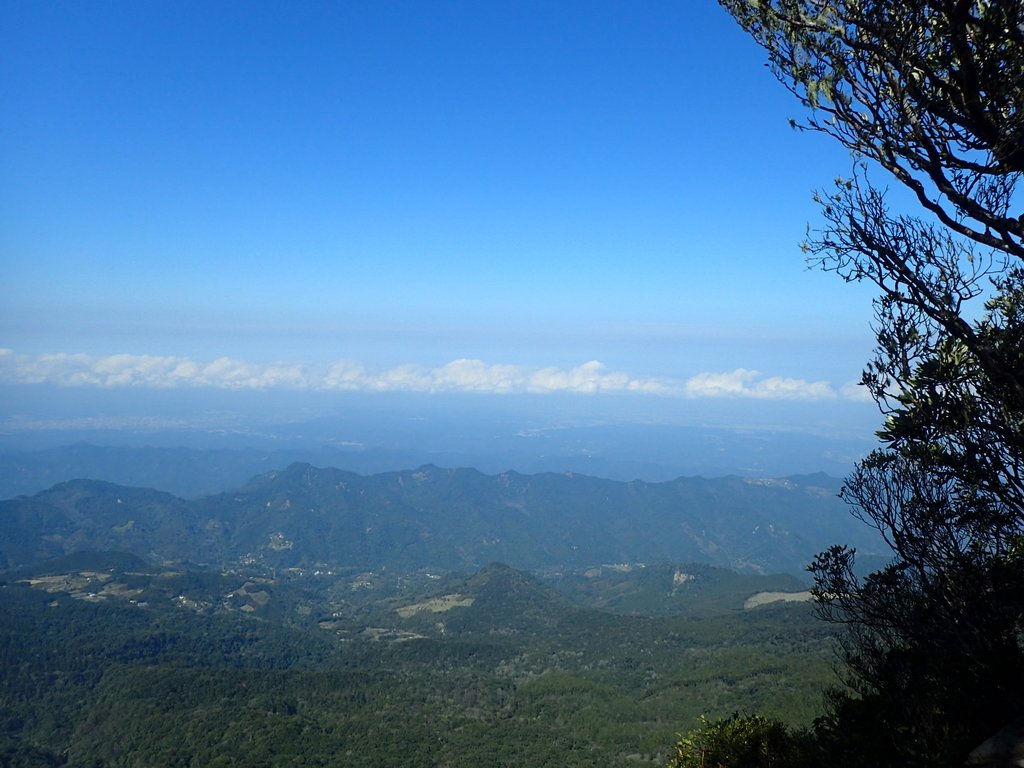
521, 675
434, 518
696, 589
743, 741
932, 92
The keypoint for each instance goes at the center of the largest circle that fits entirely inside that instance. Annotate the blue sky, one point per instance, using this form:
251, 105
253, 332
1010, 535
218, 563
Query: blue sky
599, 197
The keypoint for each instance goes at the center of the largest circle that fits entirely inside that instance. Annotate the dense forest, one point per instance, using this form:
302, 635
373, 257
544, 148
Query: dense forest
255, 655
928, 95
110, 661
309, 517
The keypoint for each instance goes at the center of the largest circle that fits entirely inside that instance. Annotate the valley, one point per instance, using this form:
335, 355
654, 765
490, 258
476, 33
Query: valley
442, 617
112, 661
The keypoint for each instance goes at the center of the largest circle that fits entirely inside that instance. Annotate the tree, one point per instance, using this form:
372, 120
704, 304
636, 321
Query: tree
930, 93
742, 741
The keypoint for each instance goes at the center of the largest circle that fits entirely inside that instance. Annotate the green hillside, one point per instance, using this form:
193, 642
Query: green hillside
448, 519
112, 662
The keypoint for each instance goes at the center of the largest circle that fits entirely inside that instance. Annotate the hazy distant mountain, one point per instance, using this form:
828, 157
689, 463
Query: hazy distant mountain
186, 472
442, 518
188, 464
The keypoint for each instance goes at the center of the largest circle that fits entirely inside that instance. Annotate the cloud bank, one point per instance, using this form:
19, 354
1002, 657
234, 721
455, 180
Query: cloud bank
464, 375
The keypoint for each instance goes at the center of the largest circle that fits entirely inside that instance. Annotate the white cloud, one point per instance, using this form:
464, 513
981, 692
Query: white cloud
854, 390
719, 384
463, 375
476, 376
749, 384
590, 378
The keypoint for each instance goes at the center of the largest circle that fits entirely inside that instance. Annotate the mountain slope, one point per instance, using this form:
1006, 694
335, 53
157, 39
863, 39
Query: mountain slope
305, 516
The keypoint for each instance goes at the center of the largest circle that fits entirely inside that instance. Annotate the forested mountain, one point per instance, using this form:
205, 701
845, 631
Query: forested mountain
445, 519
110, 661
192, 464
182, 471
321, 617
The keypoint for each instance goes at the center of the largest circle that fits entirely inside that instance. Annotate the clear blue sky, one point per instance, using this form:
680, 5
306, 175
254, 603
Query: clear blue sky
448, 196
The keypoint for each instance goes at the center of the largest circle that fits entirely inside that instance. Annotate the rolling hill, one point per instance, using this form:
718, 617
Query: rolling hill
446, 519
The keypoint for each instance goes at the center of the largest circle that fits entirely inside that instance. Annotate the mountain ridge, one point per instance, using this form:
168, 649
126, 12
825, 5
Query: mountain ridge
433, 517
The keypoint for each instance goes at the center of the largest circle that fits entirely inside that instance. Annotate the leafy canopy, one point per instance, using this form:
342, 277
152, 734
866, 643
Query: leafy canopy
930, 94
742, 741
